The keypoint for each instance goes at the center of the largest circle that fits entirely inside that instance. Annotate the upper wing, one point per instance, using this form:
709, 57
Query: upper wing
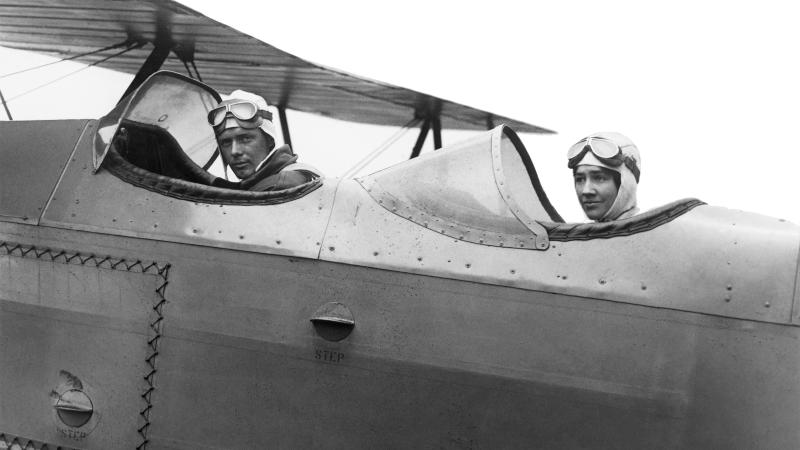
226, 58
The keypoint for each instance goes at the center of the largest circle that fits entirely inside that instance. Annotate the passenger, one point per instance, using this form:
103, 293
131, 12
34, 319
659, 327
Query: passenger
246, 138
605, 167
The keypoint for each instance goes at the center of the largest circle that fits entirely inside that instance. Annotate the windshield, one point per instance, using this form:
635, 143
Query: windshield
170, 104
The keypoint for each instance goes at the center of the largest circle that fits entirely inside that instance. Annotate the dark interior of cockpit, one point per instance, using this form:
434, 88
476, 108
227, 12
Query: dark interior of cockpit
163, 155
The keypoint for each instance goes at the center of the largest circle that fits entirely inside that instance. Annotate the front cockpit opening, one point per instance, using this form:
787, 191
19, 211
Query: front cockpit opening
158, 138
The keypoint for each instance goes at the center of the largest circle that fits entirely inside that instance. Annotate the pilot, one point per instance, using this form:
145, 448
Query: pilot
605, 167
246, 138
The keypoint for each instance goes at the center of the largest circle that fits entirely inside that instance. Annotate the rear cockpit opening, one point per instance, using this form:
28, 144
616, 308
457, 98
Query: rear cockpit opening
486, 190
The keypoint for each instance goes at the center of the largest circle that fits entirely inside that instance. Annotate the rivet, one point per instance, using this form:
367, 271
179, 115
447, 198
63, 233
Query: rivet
727, 297
729, 287
241, 236
374, 253
563, 277
513, 271
467, 265
278, 241
194, 230
559, 254
113, 220
419, 258
77, 201
155, 225
644, 288
331, 248
602, 281
766, 304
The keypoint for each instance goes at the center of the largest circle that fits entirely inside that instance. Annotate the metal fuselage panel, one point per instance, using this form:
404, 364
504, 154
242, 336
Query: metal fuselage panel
431, 362
69, 321
679, 337
33, 155
710, 260
103, 203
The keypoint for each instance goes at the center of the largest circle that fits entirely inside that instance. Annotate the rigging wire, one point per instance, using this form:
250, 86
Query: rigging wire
66, 59
76, 71
380, 149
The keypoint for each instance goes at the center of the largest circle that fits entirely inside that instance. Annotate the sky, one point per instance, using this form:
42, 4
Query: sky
708, 91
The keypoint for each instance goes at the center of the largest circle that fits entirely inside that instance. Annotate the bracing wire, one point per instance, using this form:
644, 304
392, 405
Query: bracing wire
74, 72
380, 149
65, 59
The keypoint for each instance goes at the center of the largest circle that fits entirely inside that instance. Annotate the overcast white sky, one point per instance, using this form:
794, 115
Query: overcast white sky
709, 91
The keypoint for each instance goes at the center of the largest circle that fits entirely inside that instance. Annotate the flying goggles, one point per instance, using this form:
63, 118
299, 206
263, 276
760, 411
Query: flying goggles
245, 112
605, 150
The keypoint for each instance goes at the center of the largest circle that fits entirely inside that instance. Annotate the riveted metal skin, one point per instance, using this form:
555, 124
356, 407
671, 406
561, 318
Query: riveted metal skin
463, 192
76, 322
685, 264
677, 337
432, 360
103, 203
33, 155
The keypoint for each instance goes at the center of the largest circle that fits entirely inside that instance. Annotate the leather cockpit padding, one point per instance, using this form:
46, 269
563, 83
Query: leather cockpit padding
196, 192
625, 227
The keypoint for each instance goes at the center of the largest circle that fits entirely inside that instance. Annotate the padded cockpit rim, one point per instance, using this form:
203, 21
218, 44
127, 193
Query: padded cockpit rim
637, 224
195, 192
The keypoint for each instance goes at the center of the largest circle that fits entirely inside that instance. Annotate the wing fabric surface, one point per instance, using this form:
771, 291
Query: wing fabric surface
226, 58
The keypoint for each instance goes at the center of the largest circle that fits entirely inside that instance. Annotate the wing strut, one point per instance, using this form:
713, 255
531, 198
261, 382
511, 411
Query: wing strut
437, 132
429, 122
5, 105
423, 133
287, 139
150, 66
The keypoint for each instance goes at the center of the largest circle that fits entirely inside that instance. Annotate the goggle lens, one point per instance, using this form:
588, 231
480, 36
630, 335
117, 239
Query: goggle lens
600, 147
242, 111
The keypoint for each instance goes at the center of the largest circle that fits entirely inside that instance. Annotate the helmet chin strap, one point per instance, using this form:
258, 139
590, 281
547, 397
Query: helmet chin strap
261, 164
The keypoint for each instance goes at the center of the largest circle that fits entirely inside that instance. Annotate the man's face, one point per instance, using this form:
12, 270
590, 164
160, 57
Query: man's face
243, 149
596, 190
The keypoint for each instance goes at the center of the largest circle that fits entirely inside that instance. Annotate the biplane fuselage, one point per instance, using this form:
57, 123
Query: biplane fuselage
439, 303
142, 314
